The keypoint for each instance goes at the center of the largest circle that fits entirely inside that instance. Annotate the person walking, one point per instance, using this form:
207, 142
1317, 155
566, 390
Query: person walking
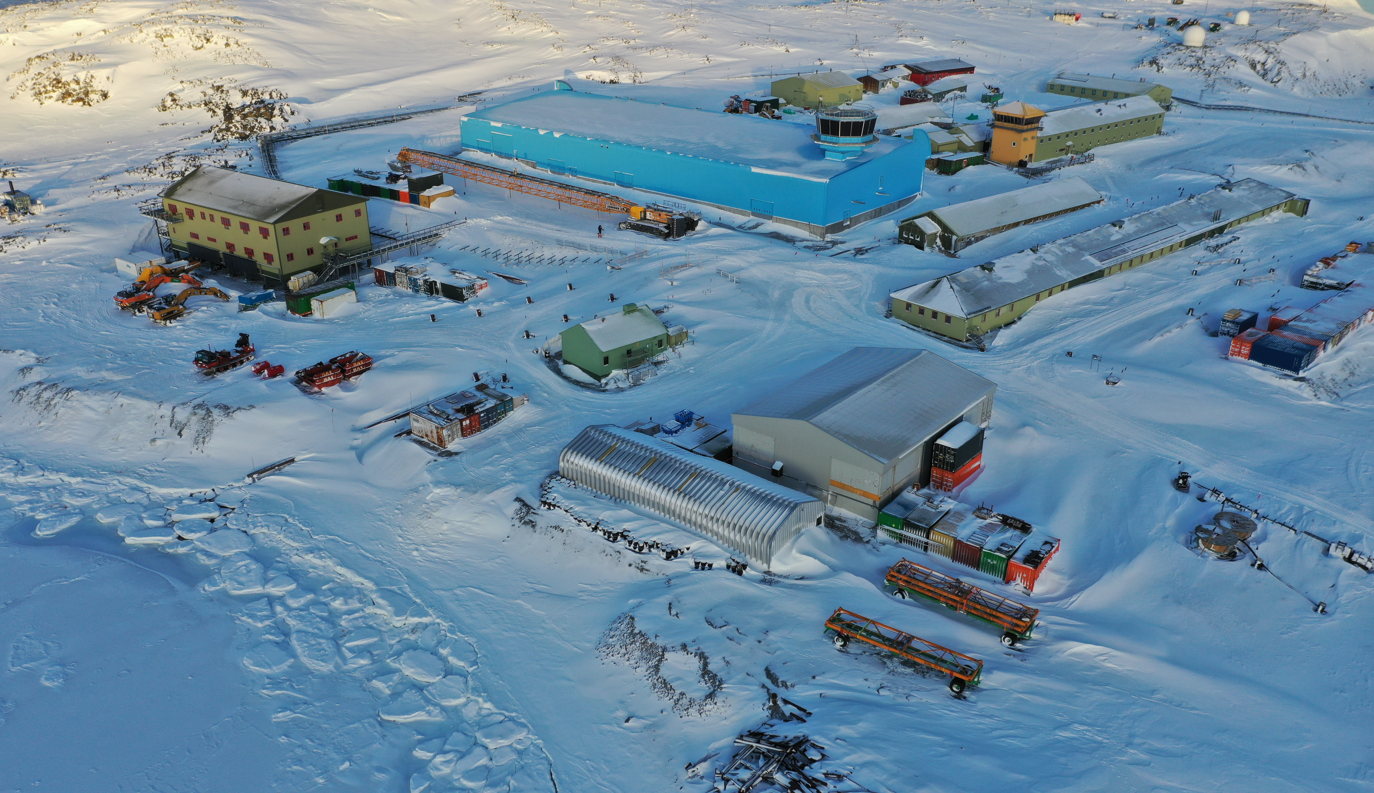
598, 231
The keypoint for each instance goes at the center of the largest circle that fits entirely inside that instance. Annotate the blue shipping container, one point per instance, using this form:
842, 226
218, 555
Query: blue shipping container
1280, 353
252, 300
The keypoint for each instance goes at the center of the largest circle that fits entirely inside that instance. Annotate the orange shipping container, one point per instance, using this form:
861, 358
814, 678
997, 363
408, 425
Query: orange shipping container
1240, 345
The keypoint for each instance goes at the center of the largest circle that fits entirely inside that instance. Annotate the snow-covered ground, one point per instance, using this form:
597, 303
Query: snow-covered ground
375, 617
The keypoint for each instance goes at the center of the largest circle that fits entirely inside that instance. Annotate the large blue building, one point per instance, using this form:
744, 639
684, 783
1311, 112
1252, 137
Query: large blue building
745, 164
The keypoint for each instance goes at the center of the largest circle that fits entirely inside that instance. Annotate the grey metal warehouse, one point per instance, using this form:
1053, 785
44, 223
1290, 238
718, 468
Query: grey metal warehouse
745, 513
858, 430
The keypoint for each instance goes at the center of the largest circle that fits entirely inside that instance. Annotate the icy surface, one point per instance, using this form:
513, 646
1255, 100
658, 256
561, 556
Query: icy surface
134, 667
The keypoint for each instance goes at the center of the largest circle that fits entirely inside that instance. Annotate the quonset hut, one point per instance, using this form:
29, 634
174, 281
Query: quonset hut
775, 170
742, 512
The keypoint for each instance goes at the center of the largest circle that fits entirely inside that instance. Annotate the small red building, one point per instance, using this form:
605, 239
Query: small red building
927, 72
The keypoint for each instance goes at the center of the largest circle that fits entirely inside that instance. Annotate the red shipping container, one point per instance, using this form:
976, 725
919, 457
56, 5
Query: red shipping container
1240, 345
1283, 317
470, 425
379, 276
941, 479
1030, 561
968, 549
405, 196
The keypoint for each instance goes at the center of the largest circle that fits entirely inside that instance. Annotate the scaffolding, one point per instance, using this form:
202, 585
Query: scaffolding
521, 183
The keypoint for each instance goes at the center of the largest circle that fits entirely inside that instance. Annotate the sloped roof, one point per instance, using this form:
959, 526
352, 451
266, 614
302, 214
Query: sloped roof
1022, 109
743, 512
1016, 206
1029, 272
881, 401
1128, 87
253, 197
830, 79
1093, 114
627, 327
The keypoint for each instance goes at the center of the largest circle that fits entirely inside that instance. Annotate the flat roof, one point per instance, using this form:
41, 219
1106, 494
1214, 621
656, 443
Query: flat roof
882, 401
1017, 206
1068, 119
1105, 83
765, 145
826, 79
1002, 281
941, 65
626, 327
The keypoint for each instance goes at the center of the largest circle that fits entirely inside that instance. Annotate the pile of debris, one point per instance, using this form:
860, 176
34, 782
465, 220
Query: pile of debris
766, 762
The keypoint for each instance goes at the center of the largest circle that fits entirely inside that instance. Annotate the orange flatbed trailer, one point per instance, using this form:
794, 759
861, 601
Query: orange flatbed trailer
963, 670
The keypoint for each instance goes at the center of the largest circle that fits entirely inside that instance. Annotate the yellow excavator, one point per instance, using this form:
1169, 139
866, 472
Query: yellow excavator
176, 307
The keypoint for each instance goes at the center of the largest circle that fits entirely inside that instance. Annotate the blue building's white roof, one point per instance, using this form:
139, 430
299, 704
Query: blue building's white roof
762, 144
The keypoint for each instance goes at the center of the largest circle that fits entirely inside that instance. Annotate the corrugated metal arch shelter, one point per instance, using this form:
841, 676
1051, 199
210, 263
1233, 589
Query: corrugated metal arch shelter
740, 511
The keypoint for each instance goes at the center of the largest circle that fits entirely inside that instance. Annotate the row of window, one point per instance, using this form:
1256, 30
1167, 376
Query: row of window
262, 230
921, 311
1089, 92
1063, 135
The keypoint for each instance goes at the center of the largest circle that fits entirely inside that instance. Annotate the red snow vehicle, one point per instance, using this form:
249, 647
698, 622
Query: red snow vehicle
212, 362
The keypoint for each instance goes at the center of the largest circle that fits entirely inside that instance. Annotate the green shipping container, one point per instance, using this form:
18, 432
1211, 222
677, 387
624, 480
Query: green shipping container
993, 564
888, 519
338, 185
951, 165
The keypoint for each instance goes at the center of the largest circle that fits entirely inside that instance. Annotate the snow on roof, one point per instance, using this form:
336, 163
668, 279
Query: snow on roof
947, 84
1022, 109
959, 434
927, 225
901, 116
766, 144
741, 511
1029, 272
829, 80
942, 65
1017, 206
1078, 117
240, 194
1130, 87
633, 324
881, 401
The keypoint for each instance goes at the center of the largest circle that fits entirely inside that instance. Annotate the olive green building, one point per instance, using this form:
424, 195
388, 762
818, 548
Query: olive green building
814, 90
966, 305
1097, 89
1082, 128
259, 226
618, 341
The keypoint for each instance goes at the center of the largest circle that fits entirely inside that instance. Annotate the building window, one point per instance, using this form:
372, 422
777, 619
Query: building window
908, 306
1037, 297
211, 239
223, 220
357, 213
946, 319
243, 226
605, 360
286, 231
660, 344
291, 257
202, 216
338, 218
350, 239
248, 252
306, 225
195, 236
934, 314
921, 310
263, 231
309, 251
230, 246
985, 317
267, 257
999, 312
172, 208
1013, 144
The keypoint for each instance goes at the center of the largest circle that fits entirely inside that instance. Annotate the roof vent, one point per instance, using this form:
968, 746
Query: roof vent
844, 132
989, 267
1121, 224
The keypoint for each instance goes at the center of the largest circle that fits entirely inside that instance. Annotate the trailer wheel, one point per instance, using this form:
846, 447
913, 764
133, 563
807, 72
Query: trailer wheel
899, 593
1009, 639
957, 685
840, 641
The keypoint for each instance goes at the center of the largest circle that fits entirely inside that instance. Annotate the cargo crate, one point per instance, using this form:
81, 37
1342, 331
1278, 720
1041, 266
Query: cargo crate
1241, 344
1030, 560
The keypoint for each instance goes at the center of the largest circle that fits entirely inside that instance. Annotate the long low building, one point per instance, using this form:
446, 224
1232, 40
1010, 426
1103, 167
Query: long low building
971, 302
1096, 88
776, 170
744, 513
1081, 128
859, 430
958, 226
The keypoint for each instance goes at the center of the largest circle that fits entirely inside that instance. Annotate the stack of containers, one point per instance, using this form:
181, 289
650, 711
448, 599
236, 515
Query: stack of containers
1283, 353
1236, 322
909, 517
956, 456
384, 274
999, 550
1029, 561
1241, 344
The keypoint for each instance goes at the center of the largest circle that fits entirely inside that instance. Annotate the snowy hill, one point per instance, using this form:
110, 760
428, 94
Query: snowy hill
376, 617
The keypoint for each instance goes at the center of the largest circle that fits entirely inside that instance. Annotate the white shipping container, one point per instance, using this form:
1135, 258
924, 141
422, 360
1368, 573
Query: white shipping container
329, 303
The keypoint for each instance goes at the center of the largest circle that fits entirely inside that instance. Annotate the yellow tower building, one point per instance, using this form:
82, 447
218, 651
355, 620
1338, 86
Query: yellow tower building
1015, 131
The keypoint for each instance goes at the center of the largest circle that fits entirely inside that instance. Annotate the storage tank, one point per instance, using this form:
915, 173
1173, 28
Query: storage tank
1242, 17
844, 132
1194, 36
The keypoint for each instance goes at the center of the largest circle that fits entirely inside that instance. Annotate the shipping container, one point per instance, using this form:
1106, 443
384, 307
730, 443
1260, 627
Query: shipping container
1236, 322
1314, 338
252, 300
941, 479
1282, 317
1240, 345
419, 184
1285, 354
998, 550
327, 304
957, 446
968, 546
1030, 559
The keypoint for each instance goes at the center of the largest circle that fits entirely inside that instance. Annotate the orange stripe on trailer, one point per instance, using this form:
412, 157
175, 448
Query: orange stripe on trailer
963, 597
961, 667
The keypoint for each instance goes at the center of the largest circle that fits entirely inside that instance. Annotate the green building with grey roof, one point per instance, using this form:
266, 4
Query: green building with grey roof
630, 338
